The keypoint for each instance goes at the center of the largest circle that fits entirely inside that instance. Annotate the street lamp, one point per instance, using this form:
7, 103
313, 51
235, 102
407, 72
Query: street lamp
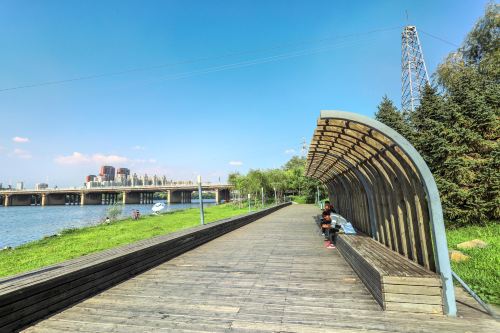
262, 195
200, 196
249, 204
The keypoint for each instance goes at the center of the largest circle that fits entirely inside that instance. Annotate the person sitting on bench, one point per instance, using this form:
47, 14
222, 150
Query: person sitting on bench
324, 213
329, 229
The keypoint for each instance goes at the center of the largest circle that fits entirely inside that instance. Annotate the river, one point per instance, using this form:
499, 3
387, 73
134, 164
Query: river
22, 224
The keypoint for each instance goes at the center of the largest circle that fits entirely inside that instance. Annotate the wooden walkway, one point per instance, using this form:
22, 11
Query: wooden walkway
273, 275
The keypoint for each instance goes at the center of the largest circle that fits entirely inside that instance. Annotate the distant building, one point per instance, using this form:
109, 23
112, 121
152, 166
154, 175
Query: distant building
122, 176
90, 178
134, 181
108, 172
123, 171
41, 186
20, 186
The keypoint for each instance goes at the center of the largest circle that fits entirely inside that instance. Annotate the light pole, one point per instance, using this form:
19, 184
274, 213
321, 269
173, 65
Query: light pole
249, 204
262, 195
200, 196
275, 197
317, 195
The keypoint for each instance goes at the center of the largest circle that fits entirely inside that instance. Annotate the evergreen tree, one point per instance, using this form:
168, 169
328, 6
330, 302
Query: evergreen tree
441, 131
389, 115
458, 132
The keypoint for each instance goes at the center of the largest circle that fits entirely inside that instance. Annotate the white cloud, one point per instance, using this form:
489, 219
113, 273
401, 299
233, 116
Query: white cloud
236, 163
105, 159
19, 139
138, 147
75, 158
141, 161
79, 158
290, 151
22, 153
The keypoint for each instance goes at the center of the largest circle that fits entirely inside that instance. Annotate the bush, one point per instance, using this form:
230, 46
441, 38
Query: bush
114, 211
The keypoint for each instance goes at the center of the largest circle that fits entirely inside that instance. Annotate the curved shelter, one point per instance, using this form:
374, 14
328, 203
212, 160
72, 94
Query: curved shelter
380, 183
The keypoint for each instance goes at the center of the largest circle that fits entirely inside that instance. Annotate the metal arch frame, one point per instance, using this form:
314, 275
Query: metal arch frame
438, 233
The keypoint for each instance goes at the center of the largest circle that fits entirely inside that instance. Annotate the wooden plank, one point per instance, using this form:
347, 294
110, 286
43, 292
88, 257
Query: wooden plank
413, 307
411, 280
409, 298
414, 290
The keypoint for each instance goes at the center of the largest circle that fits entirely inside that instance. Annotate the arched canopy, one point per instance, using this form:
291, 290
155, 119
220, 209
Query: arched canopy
378, 181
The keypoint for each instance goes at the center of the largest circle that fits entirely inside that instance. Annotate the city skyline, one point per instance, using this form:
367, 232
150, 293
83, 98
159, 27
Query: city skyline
192, 88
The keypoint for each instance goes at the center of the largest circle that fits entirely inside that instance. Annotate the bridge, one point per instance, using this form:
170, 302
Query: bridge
176, 193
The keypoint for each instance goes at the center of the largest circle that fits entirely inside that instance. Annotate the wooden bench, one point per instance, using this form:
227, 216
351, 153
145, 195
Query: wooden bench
396, 283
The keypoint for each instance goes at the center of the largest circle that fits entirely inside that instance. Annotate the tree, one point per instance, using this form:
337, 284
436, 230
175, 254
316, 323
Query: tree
442, 140
457, 130
288, 179
389, 115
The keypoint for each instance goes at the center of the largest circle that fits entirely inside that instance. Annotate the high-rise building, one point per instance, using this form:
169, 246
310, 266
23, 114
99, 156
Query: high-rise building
122, 176
90, 178
41, 186
20, 186
123, 171
107, 172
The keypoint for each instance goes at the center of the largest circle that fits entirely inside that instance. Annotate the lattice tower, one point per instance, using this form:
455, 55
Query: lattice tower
414, 75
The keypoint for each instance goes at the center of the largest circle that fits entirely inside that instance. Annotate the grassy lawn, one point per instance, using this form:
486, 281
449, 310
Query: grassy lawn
77, 242
482, 271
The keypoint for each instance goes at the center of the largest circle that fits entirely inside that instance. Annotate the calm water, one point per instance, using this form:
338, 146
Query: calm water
22, 224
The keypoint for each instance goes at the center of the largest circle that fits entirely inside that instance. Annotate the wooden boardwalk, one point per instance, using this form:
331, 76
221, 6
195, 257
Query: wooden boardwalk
273, 275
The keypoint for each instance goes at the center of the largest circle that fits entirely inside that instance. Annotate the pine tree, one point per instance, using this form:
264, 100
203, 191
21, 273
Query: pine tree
439, 131
458, 132
389, 115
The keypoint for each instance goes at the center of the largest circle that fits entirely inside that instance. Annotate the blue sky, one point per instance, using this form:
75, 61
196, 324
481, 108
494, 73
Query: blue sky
245, 83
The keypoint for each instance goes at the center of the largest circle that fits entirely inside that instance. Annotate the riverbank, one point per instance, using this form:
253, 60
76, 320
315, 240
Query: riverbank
24, 224
481, 271
74, 243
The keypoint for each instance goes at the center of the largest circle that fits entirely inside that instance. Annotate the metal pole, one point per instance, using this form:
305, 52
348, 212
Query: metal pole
473, 294
249, 204
262, 195
317, 195
275, 197
200, 196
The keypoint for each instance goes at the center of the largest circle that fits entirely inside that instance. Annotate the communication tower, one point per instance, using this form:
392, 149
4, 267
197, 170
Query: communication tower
414, 75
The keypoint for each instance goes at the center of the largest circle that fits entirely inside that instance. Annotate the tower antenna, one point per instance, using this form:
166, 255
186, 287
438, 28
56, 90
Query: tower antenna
414, 75
303, 151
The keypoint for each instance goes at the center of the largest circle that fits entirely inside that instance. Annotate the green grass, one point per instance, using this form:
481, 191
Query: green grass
74, 243
482, 271
301, 199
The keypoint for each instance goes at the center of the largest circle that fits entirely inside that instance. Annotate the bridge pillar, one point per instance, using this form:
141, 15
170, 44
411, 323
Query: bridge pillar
223, 194
179, 196
6, 200
91, 199
20, 200
55, 199
186, 196
131, 198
